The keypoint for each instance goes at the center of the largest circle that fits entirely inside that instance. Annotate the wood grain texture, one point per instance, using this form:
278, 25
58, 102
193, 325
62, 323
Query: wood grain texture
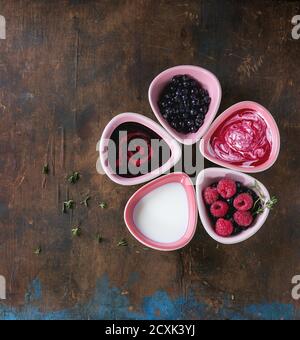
67, 68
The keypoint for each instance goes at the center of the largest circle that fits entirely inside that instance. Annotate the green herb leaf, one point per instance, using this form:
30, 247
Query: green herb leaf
271, 204
85, 202
99, 238
76, 231
262, 199
123, 243
46, 169
38, 251
259, 211
103, 205
256, 203
256, 208
74, 177
267, 205
259, 190
68, 205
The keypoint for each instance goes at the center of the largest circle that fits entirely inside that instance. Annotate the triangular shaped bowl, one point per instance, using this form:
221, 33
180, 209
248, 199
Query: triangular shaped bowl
212, 175
186, 182
206, 151
207, 79
149, 123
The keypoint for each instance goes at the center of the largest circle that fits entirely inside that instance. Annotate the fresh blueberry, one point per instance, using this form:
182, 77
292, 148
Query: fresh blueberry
184, 104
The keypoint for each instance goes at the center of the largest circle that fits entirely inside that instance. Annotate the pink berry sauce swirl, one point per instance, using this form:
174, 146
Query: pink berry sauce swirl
243, 139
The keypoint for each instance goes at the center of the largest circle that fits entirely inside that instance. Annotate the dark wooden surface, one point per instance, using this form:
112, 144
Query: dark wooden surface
67, 68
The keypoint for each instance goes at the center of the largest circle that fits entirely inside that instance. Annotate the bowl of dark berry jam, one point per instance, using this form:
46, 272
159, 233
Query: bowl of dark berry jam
232, 206
185, 100
134, 149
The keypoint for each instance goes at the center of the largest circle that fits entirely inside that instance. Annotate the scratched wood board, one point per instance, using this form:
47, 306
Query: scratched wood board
66, 69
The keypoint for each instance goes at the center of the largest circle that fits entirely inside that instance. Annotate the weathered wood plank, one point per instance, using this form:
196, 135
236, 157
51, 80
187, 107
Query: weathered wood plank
66, 68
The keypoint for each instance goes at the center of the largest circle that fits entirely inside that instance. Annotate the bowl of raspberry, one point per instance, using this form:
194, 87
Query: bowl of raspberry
185, 100
232, 206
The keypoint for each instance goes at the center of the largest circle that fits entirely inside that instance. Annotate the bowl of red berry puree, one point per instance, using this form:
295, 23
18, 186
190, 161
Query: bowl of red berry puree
245, 138
185, 100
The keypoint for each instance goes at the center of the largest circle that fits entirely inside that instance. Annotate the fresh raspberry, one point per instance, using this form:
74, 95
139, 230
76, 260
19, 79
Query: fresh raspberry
243, 218
211, 195
243, 202
219, 209
227, 188
224, 228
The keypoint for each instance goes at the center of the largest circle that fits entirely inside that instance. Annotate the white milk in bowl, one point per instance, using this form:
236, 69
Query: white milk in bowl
163, 214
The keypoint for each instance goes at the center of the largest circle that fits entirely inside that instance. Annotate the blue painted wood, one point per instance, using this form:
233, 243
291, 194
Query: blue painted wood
159, 306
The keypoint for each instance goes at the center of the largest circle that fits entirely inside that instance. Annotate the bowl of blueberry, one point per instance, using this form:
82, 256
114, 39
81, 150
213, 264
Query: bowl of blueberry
185, 100
232, 206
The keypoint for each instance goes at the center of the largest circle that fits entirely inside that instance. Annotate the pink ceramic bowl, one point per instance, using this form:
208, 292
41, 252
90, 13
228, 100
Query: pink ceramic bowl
137, 118
205, 142
212, 175
193, 213
206, 79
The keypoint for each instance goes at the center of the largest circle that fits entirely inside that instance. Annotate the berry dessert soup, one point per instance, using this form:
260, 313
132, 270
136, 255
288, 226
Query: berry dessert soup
136, 150
244, 139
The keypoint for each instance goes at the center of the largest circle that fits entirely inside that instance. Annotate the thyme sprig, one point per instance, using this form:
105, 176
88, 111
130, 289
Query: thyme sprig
38, 251
99, 238
46, 169
123, 243
270, 204
255, 206
68, 205
74, 177
259, 190
76, 232
85, 202
103, 205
